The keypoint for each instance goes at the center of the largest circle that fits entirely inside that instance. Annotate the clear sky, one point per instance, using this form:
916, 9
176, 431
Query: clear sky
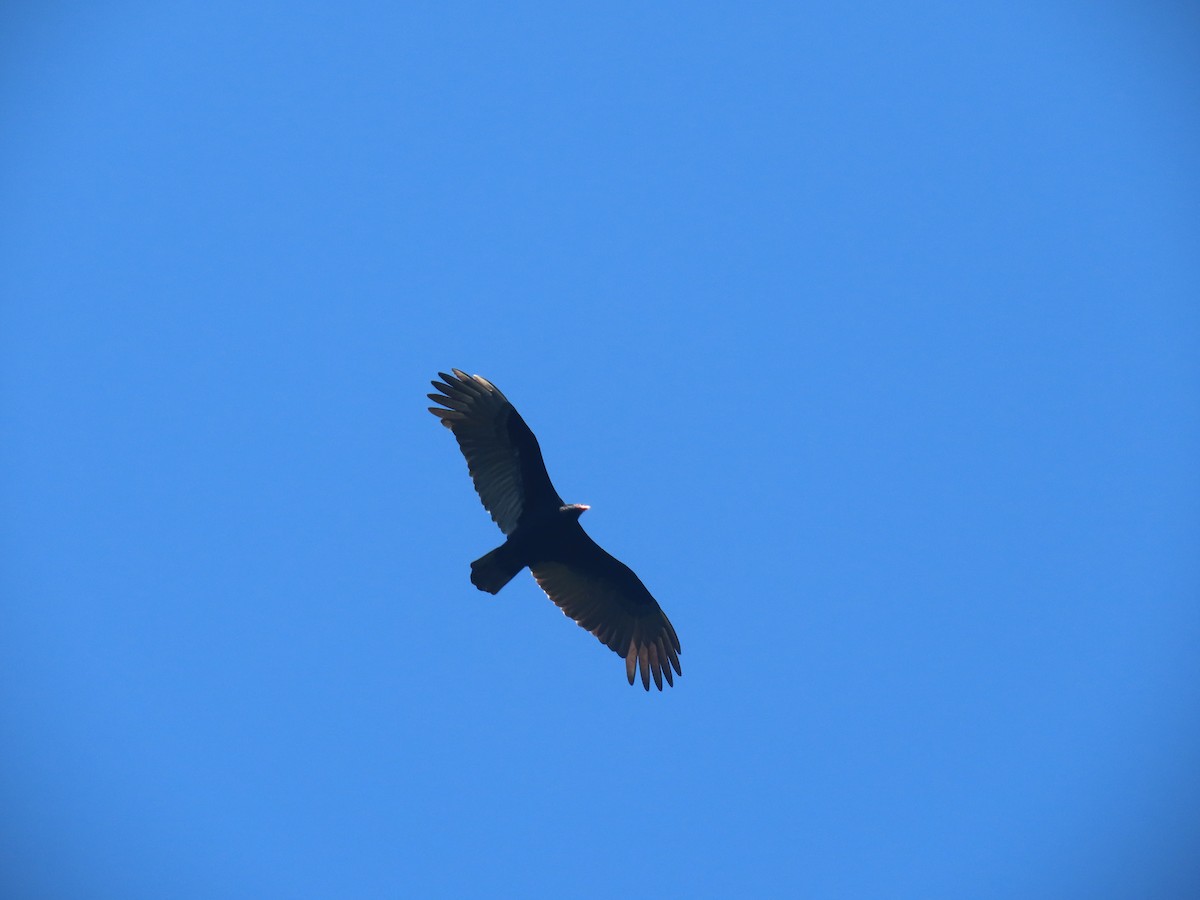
870, 332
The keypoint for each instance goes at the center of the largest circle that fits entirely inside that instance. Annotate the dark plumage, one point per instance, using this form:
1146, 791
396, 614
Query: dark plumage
596, 590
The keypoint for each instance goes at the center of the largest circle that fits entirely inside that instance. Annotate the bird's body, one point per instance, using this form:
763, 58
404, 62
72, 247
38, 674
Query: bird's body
552, 535
544, 535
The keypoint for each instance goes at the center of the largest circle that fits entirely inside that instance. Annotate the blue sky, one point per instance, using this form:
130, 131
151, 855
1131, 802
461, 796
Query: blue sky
870, 335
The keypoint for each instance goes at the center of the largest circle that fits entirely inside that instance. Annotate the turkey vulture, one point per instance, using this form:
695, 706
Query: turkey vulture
599, 592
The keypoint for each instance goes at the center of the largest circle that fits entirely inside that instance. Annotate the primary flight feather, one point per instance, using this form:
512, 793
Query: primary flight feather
598, 591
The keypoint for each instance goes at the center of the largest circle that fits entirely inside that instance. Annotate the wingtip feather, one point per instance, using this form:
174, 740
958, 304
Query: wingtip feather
656, 666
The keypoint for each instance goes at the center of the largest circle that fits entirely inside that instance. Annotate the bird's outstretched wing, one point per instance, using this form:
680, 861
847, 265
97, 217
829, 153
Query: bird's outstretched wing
604, 596
502, 454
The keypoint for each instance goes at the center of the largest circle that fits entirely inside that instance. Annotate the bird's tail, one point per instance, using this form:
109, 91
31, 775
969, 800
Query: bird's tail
496, 569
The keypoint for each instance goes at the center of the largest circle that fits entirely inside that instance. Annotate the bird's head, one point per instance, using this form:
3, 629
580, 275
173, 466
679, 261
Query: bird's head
573, 510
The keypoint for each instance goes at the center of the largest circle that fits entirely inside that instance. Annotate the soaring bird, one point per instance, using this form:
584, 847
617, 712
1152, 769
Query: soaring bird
599, 592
